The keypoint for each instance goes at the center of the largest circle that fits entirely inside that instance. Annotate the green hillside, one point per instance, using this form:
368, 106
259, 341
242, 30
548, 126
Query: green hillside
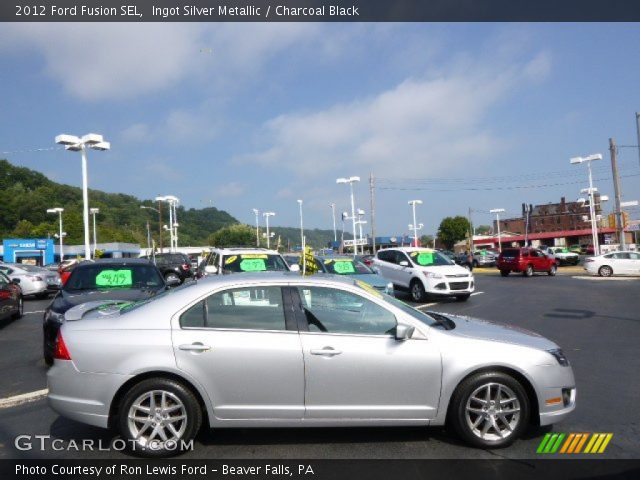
25, 196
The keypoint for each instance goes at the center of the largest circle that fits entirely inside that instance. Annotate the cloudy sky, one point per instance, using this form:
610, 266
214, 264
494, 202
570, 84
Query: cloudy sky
243, 116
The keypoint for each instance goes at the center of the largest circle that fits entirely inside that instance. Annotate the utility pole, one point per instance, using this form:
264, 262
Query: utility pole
160, 223
616, 189
638, 131
373, 212
470, 231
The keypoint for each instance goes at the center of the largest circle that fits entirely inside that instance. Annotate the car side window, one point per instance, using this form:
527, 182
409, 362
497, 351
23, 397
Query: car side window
247, 308
621, 256
634, 256
384, 256
330, 310
4, 280
401, 257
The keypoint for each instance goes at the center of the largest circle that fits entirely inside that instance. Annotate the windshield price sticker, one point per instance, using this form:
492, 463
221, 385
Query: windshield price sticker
231, 259
253, 265
254, 255
423, 258
114, 278
344, 267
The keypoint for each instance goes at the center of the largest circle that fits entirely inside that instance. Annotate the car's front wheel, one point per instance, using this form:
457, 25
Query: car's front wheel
159, 417
552, 271
490, 410
504, 273
418, 293
605, 271
528, 271
20, 312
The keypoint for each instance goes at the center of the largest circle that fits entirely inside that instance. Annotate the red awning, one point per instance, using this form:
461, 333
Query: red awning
540, 236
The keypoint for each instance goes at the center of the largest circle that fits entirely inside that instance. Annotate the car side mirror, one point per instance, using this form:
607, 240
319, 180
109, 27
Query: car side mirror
404, 332
294, 268
15, 281
172, 281
212, 269
403, 263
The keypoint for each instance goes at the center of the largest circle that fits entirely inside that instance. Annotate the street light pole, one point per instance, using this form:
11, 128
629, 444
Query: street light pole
301, 227
413, 204
266, 217
93, 212
592, 209
351, 181
148, 230
333, 215
77, 144
498, 211
59, 211
257, 213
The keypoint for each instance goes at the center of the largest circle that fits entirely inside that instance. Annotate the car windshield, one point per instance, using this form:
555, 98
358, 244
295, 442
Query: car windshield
129, 306
253, 262
345, 266
429, 258
110, 276
414, 312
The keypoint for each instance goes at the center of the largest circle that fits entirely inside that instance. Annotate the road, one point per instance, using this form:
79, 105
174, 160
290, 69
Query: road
596, 321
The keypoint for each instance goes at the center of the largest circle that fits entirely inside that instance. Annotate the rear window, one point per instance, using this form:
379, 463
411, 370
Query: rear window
345, 266
174, 258
105, 276
253, 262
511, 252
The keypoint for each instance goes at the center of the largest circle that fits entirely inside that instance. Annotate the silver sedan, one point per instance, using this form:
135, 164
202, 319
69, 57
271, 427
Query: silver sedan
281, 350
34, 280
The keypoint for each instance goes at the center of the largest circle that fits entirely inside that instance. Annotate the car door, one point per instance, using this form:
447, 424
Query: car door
245, 350
8, 300
402, 273
623, 264
355, 368
634, 263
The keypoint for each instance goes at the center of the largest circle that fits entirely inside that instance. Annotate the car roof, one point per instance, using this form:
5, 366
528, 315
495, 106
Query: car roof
242, 250
410, 249
116, 261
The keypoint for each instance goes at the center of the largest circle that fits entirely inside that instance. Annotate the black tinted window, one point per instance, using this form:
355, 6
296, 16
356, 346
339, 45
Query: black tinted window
98, 276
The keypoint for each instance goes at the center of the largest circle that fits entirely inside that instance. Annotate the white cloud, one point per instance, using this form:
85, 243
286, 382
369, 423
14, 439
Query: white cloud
427, 125
231, 189
136, 133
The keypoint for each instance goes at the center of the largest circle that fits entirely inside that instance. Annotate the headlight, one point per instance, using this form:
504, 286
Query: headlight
389, 289
559, 356
432, 275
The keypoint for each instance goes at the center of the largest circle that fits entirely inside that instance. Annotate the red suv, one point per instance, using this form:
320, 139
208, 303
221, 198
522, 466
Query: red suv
526, 261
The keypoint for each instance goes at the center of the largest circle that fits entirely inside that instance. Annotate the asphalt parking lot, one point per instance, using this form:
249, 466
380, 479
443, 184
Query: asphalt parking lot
596, 321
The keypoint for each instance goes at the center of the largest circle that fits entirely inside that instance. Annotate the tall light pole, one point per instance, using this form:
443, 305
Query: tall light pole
94, 211
59, 211
266, 216
361, 222
498, 211
301, 226
413, 204
148, 230
592, 210
257, 214
351, 181
77, 144
172, 201
333, 216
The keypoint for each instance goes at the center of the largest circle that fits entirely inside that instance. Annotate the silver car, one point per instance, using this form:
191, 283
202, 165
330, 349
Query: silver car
282, 350
34, 280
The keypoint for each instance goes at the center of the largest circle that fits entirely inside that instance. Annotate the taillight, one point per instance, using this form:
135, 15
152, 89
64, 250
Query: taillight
62, 352
186, 266
587, 260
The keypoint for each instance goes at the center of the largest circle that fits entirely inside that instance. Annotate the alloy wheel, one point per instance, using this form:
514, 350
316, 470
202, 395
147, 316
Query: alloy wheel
156, 419
492, 412
605, 271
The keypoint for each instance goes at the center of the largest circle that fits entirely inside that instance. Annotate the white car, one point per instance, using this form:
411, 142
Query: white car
34, 280
243, 259
423, 272
564, 256
614, 263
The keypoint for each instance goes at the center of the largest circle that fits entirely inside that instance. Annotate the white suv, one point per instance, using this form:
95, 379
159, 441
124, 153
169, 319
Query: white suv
424, 272
243, 259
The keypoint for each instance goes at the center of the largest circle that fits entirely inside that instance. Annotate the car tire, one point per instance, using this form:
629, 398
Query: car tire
605, 271
180, 403
171, 275
418, 294
487, 425
552, 271
528, 272
463, 298
42, 295
18, 315
48, 358
505, 273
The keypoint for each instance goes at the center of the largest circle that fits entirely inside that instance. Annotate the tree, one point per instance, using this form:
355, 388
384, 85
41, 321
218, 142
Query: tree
483, 229
238, 234
23, 229
452, 230
426, 241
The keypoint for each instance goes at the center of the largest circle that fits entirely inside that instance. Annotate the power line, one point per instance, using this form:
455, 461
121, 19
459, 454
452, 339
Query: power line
30, 150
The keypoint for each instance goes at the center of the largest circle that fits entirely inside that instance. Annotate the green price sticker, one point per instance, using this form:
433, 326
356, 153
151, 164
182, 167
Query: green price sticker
425, 258
114, 278
253, 265
344, 267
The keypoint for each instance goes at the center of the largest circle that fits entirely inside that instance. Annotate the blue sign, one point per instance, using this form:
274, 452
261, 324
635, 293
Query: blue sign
39, 248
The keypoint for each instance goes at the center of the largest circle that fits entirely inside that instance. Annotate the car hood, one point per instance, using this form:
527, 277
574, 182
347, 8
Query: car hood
447, 270
476, 328
68, 299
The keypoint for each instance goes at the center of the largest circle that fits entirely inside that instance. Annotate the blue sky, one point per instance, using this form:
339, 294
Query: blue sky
244, 116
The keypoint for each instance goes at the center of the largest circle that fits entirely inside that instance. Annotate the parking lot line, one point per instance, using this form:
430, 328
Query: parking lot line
476, 293
35, 311
22, 398
427, 305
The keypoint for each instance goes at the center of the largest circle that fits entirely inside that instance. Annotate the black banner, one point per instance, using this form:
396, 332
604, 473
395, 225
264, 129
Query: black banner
319, 469
320, 10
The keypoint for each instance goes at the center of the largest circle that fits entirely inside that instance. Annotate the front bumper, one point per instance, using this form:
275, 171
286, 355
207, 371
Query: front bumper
556, 391
450, 286
83, 397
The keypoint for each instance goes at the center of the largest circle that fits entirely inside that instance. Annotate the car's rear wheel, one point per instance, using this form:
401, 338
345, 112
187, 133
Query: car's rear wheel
504, 273
552, 271
20, 311
159, 417
490, 410
528, 272
418, 294
605, 271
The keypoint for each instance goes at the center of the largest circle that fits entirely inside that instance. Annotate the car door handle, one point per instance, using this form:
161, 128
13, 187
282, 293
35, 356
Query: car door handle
328, 351
194, 347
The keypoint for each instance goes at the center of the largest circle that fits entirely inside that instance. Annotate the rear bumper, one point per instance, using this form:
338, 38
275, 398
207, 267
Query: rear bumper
84, 397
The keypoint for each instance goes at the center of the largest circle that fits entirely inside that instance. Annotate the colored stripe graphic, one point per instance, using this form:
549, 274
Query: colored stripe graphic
574, 442
598, 443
